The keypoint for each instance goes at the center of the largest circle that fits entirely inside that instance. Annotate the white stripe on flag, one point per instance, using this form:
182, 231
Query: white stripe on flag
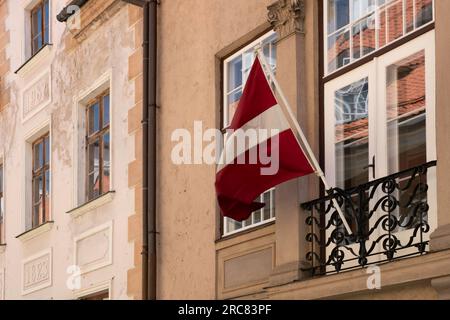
266, 125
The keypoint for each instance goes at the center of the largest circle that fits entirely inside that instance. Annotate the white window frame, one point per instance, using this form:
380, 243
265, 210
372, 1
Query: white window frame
378, 118
28, 7
46, 126
225, 123
103, 83
351, 24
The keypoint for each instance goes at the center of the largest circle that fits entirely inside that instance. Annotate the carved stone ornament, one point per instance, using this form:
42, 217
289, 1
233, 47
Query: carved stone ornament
287, 17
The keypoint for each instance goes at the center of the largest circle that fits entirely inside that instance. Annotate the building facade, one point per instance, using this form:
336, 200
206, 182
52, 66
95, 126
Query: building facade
367, 80
67, 193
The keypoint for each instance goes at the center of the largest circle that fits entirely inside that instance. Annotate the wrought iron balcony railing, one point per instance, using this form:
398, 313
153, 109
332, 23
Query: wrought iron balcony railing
388, 217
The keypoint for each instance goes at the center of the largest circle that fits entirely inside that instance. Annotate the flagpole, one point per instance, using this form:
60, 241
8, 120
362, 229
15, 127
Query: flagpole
306, 145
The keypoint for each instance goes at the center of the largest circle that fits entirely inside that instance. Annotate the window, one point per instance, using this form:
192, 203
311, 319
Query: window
355, 28
236, 70
39, 26
98, 147
379, 121
2, 206
41, 181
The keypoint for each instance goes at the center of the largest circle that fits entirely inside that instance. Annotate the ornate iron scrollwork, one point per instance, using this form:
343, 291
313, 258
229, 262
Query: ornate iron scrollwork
388, 216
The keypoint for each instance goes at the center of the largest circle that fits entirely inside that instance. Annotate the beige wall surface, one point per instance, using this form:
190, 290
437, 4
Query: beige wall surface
192, 33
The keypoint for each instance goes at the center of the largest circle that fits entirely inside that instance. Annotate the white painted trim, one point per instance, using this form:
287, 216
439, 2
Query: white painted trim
50, 271
107, 226
95, 288
28, 66
33, 233
30, 136
92, 205
80, 101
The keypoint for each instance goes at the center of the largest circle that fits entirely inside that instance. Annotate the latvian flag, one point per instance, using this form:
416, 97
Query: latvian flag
239, 183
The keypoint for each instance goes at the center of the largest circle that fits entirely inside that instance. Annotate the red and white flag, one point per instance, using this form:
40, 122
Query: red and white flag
239, 183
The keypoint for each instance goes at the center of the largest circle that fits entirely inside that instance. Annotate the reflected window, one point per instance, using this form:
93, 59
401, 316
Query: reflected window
355, 28
352, 134
406, 126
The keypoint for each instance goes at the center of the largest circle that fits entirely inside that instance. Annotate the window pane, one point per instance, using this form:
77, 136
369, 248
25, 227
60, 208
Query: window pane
233, 225
39, 29
424, 9
38, 155
338, 14
368, 35
106, 163
409, 15
46, 22
234, 74
106, 108
272, 197
351, 134
406, 103
94, 118
362, 8
47, 195
266, 209
37, 189
382, 30
94, 170
270, 52
1, 179
47, 150
338, 50
36, 215
257, 216
93, 156
395, 21
233, 101
248, 59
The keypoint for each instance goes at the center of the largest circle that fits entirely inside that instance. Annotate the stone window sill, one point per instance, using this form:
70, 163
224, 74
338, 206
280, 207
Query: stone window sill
34, 60
93, 204
37, 231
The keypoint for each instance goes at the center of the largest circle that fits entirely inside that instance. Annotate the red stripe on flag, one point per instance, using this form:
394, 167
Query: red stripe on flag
238, 185
257, 97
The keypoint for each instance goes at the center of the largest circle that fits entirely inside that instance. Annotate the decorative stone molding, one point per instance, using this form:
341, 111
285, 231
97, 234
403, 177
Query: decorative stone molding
287, 17
37, 272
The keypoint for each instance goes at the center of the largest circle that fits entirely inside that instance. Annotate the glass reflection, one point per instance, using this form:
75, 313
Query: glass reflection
351, 134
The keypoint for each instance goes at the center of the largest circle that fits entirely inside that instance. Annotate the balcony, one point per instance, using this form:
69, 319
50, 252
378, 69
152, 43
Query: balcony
388, 217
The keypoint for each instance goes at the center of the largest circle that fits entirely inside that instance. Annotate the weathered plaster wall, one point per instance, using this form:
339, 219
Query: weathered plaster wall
74, 65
